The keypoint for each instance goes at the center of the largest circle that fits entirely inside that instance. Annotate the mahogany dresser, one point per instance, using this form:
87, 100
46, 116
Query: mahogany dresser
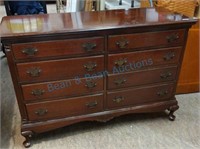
93, 66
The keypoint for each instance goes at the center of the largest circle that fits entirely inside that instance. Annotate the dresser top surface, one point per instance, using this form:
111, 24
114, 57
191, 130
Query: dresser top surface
88, 21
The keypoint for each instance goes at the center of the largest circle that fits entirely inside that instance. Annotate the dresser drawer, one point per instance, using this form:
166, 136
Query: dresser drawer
142, 77
58, 48
65, 107
139, 96
73, 87
132, 61
149, 39
60, 69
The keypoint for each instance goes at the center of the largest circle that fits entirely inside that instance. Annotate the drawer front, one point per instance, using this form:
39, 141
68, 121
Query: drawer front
73, 87
124, 62
142, 40
65, 107
60, 69
141, 77
139, 96
58, 48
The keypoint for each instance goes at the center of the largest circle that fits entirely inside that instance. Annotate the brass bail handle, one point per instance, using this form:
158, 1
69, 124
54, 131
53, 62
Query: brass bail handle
38, 92
34, 71
122, 43
90, 84
41, 112
90, 66
172, 38
89, 46
31, 51
118, 99
165, 75
92, 104
162, 93
169, 56
120, 81
121, 62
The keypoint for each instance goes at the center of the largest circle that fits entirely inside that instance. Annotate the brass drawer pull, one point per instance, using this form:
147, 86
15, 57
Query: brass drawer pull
34, 72
30, 51
118, 99
121, 62
90, 84
162, 93
90, 66
38, 92
172, 38
165, 75
41, 112
119, 81
89, 46
169, 56
122, 43
91, 104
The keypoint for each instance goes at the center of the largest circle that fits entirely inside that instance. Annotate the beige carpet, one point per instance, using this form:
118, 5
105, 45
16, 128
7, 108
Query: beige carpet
144, 131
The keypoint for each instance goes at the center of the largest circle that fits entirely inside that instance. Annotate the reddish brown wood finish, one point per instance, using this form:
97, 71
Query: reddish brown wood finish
136, 96
61, 88
136, 78
143, 59
103, 116
65, 107
63, 68
51, 24
56, 53
59, 48
148, 40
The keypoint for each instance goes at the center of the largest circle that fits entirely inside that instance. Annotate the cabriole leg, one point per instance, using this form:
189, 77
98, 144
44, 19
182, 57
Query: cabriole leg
27, 135
172, 109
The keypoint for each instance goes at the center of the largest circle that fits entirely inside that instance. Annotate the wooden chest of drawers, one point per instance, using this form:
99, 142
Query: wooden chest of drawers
73, 67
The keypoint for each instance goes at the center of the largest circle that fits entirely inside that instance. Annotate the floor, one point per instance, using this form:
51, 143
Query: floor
139, 131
